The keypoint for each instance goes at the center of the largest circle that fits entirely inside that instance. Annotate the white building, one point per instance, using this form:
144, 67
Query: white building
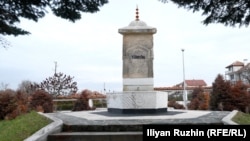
237, 71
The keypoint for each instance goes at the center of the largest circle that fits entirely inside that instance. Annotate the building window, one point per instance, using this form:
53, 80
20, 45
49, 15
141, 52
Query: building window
231, 77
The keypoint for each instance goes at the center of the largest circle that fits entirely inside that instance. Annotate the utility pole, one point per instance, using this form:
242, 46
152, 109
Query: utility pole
55, 66
104, 89
184, 84
245, 61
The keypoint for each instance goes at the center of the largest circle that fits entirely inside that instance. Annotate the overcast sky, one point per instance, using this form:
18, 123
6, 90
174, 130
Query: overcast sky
91, 49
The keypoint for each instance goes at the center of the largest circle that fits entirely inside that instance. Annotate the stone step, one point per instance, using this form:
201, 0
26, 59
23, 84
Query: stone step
102, 128
96, 136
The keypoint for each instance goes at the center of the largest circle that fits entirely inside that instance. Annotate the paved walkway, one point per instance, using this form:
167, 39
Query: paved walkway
102, 117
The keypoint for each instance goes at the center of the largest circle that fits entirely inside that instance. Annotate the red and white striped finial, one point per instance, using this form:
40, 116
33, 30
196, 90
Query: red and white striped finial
137, 14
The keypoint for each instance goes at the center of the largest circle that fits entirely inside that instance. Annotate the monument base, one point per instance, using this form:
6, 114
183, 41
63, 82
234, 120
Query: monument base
137, 111
137, 102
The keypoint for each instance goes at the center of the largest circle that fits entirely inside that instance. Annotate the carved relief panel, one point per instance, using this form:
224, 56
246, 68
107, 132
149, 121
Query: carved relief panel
137, 56
137, 63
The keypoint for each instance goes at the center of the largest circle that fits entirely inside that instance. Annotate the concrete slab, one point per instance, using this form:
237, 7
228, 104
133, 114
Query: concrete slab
172, 116
102, 114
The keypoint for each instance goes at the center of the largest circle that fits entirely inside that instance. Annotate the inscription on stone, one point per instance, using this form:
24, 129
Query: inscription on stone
138, 57
137, 62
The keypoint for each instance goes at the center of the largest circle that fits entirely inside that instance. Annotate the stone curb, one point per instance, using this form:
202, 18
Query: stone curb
54, 127
227, 120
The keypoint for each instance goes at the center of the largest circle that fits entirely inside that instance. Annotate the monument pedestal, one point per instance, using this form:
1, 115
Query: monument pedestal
137, 102
138, 94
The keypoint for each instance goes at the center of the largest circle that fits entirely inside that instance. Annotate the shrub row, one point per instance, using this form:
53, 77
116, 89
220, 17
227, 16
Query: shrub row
14, 103
82, 102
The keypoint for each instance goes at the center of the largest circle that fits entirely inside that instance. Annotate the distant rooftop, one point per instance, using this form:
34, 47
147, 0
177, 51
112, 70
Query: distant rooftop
193, 83
236, 63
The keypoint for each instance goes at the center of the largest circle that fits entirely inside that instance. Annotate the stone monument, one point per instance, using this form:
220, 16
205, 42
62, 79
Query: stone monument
138, 95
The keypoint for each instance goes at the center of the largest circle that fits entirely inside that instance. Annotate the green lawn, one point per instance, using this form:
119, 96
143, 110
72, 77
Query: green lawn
241, 118
22, 127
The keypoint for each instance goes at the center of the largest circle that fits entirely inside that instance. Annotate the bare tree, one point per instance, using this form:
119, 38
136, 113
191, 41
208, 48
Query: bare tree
26, 86
3, 86
59, 84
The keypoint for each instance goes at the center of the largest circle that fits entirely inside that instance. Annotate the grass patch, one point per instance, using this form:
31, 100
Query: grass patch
22, 127
241, 118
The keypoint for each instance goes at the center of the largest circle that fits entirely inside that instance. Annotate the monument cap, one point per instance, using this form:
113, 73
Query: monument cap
137, 26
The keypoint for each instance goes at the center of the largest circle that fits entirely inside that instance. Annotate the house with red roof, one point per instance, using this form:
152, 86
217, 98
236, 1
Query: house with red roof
190, 86
238, 71
193, 83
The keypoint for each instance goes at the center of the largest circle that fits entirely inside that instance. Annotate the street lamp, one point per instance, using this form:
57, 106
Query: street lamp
184, 84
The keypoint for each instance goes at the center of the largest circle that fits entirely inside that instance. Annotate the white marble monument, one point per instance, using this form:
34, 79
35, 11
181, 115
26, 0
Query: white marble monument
138, 95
